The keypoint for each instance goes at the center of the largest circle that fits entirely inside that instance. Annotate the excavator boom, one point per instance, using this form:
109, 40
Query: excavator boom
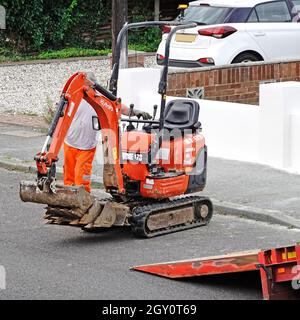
108, 109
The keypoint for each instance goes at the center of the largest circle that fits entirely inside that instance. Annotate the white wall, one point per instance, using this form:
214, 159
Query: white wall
266, 134
295, 143
230, 129
277, 101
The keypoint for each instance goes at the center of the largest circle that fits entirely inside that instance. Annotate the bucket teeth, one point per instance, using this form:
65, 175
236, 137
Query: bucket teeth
63, 212
92, 214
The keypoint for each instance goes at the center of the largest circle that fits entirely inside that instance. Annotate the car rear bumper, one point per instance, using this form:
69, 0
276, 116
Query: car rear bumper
184, 63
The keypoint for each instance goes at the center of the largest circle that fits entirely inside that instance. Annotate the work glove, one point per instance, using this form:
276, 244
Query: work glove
143, 114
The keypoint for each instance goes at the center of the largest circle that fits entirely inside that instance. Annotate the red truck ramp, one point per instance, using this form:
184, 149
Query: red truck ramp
278, 268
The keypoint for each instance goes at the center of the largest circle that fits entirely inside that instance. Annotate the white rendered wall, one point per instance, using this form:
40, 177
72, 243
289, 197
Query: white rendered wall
266, 134
277, 102
230, 129
295, 143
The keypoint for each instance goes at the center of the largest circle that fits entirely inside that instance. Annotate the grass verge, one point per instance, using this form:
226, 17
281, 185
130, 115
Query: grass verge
10, 56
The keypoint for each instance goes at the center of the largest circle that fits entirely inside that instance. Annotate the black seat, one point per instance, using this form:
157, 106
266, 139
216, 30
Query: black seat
182, 114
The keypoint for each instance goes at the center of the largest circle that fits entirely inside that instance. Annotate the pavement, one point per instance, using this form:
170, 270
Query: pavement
236, 188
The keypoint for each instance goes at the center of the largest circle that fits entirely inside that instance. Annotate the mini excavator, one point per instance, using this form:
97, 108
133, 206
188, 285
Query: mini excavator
148, 172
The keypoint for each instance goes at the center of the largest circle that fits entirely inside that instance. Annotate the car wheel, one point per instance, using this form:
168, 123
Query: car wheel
246, 57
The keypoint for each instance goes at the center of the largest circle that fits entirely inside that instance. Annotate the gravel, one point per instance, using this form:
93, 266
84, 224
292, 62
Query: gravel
28, 88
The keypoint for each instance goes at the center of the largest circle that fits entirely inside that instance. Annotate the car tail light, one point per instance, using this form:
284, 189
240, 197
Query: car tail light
217, 32
207, 60
160, 57
166, 29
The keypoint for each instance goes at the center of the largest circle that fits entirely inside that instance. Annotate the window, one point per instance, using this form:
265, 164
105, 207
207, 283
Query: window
273, 12
206, 14
238, 15
253, 16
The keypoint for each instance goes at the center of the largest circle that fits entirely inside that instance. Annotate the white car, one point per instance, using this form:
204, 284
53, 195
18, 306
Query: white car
235, 31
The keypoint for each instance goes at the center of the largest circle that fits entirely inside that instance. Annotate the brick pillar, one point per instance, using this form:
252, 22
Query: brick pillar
134, 60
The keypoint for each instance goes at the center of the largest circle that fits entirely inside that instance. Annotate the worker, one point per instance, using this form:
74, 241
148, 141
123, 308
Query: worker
81, 141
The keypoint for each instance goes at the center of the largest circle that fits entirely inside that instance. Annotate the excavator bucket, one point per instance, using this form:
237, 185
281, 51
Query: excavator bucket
63, 196
72, 205
278, 268
66, 204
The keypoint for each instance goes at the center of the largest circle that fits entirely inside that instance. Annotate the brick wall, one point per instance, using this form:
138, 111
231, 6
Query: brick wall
239, 83
135, 60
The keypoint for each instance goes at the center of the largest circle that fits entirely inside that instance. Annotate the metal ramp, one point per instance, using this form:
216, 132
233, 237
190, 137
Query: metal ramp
278, 268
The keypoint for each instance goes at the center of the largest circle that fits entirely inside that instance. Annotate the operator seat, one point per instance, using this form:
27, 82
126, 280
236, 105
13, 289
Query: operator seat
182, 114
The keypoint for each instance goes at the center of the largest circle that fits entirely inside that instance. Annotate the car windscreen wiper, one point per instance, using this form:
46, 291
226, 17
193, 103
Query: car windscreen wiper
198, 23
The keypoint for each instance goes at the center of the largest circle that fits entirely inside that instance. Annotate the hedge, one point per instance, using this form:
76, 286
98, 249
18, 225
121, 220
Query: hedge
36, 25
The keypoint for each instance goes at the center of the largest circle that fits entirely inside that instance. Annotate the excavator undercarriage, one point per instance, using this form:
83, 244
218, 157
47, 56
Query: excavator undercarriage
74, 206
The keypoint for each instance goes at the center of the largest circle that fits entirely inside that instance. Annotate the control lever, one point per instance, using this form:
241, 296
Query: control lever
130, 126
131, 110
132, 113
154, 111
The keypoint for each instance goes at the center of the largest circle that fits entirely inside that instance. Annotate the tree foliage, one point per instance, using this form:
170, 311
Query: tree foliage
38, 25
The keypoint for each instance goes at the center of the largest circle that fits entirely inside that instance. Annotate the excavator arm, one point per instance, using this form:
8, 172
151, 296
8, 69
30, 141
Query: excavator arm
108, 109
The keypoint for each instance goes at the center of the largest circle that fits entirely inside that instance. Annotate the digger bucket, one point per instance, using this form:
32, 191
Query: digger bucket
73, 205
69, 197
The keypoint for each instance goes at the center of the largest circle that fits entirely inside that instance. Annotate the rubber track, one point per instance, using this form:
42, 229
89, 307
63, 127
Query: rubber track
140, 215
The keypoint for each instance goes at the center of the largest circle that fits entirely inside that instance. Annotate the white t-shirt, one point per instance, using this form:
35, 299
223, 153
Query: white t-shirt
81, 134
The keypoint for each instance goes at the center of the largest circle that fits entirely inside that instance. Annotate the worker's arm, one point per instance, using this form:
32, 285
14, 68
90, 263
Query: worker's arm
138, 113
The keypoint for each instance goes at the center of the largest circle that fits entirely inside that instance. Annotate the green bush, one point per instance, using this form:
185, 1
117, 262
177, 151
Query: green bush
146, 39
71, 52
47, 24
38, 28
7, 55
93, 15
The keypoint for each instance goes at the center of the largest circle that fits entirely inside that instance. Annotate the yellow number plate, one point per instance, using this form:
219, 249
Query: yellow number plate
185, 37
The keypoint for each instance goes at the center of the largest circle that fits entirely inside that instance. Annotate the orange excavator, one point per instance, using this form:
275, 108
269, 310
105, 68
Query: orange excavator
147, 171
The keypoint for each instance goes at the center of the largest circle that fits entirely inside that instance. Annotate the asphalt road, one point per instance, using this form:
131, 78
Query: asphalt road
54, 262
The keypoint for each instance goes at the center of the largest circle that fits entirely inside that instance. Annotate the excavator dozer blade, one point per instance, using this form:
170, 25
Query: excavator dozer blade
68, 197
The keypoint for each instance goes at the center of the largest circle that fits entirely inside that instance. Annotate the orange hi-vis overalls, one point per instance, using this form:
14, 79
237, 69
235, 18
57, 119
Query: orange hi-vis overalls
78, 166
80, 147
